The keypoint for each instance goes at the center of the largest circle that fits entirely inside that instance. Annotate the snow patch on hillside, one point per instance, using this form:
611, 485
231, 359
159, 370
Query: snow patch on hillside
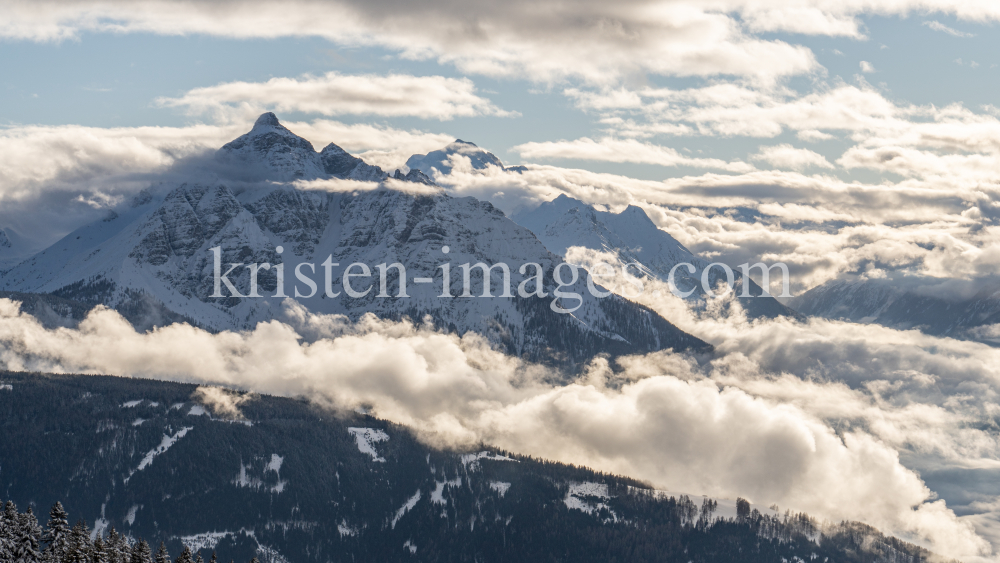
132, 404
581, 496
471, 461
366, 438
346, 530
437, 495
406, 507
500, 487
165, 445
130, 517
206, 540
275, 463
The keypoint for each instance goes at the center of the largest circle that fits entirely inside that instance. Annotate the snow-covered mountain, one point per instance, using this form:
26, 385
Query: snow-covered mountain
154, 259
441, 160
928, 305
13, 248
633, 238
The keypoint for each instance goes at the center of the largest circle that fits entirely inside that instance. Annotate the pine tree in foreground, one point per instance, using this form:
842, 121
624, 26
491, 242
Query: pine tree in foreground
185, 556
161, 554
100, 551
56, 535
141, 553
28, 534
79, 544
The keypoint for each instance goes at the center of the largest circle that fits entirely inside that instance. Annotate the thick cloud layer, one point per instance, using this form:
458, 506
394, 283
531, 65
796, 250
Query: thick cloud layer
782, 416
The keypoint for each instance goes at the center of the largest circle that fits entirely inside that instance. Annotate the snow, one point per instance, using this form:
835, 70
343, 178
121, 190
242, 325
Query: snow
197, 410
165, 445
406, 507
580, 497
205, 540
275, 463
243, 479
500, 487
437, 495
346, 530
409, 545
6, 387
366, 438
177, 406
471, 461
132, 404
130, 517
100, 524
138, 421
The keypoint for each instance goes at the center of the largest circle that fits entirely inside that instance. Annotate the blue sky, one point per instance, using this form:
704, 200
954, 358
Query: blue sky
114, 79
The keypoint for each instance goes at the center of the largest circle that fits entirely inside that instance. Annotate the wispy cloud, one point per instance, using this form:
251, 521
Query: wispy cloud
938, 26
621, 150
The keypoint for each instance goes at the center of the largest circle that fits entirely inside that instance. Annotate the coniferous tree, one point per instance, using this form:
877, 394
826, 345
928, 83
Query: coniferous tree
185, 556
79, 544
112, 546
213, 559
8, 527
56, 536
28, 534
198, 559
161, 554
141, 553
121, 550
100, 551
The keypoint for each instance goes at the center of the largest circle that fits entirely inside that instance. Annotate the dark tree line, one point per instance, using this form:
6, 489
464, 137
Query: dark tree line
22, 540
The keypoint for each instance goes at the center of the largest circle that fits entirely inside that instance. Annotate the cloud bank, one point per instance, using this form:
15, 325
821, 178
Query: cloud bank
824, 440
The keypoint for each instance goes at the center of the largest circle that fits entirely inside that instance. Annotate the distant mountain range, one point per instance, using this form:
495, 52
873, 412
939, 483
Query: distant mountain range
933, 306
287, 482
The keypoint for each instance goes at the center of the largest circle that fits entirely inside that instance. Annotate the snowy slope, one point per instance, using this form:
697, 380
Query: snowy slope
630, 235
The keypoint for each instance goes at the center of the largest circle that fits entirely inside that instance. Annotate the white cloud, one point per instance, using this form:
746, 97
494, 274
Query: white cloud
392, 95
789, 157
866, 67
938, 26
621, 150
589, 40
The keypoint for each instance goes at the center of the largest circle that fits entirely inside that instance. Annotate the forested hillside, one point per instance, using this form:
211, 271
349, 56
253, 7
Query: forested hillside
282, 480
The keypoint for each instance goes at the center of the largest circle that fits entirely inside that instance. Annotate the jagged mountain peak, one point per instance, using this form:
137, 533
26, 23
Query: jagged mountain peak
333, 148
440, 160
271, 151
267, 119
